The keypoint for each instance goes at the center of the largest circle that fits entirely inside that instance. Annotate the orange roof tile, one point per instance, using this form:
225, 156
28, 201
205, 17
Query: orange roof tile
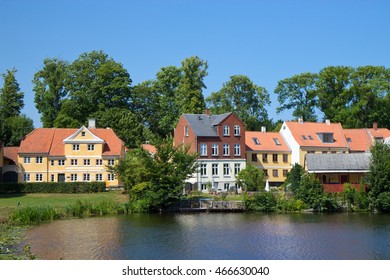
358, 139
379, 132
150, 148
266, 141
11, 153
306, 134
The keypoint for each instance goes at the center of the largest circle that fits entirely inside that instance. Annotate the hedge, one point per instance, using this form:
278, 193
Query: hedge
73, 187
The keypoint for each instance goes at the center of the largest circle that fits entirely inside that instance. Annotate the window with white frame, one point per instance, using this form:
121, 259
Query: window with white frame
52, 177
226, 131
91, 147
237, 168
76, 147
73, 177
186, 131
226, 149
87, 162
237, 130
203, 170
38, 160
73, 162
26, 177
237, 149
86, 177
99, 177
111, 162
26, 160
83, 133
38, 177
203, 187
99, 162
226, 186
226, 169
214, 149
61, 162
110, 177
203, 149
52, 162
214, 169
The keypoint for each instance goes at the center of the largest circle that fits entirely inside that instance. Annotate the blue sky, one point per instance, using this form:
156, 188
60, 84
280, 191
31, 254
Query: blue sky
265, 40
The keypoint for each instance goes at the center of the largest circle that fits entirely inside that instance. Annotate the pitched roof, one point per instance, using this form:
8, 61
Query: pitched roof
150, 148
358, 139
11, 153
307, 134
50, 141
355, 162
379, 132
266, 141
204, 125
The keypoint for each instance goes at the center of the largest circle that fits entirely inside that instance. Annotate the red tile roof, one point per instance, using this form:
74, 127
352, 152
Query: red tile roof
11, 153
50, 141
150, 148
266, 140
306, 134
359, 139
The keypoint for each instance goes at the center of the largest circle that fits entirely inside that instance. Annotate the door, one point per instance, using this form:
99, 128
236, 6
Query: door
61, 177
343, 179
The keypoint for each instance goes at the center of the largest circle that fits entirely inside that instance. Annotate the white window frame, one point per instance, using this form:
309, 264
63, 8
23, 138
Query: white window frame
26, 177
99, 162
73, 162
226, 130
38, 177
91, 147
52, 162
87, 161
73, 177
237, 149
237, 130
61, 162
186, 131
99, 177
226, 149
214, 169
214, 149
111, 162
226, 169
76, 147
203, 149
237, 168
86, 177
52, 178
39, 160
203, 169
27, 160
110, 177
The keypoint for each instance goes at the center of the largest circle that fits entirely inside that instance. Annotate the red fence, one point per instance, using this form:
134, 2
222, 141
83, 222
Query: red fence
335, 188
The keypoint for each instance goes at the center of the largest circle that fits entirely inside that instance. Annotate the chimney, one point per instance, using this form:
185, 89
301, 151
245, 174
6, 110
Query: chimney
300, 120
91, 123
327, 121
263, 129
375, 125
207, 112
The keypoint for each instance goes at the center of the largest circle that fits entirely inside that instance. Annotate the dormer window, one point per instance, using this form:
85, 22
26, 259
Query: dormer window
226, 131
326, 137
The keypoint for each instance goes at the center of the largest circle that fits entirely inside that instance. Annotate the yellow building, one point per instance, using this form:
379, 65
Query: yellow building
269, 151
69, 155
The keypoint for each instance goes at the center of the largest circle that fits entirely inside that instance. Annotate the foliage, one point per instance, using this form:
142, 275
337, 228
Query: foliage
43, 187
293, 180
30, 215
289, 205
50, 89
261, 201
379, 175
16, 128
241, 96
298, 93
251, 178
310, 191
154, 181
383, 202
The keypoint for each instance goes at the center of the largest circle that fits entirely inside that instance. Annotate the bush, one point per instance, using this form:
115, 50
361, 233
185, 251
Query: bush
290, 205
51, 187
32, 215
383, 202
261, 201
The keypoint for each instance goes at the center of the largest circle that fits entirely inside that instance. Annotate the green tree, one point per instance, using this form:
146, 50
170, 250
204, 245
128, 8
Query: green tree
379, 175
154, 181
298, 93
310, 191
190, 89
50, 90
251, 179
18, 127
11, 98
241, 96
294, 177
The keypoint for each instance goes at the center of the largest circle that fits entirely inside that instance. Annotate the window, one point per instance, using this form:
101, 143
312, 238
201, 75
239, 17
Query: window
111, 162
73, 177
214, 169
99, 177
326, 137
236, 130
226, 150
276, 140
275, 157
52, 177
203, 169
111, 177
265, 157
38, 177
333, 152
214, 149
304, 137
73, 162
91, 147
226, 131
265, 172
83, 133
26, 159
86, 177
349, 140
256, 140
26, 177
237, 168
203, 187
38, 159
237, 149
87, 162
76, 147
61, 162
186, 131
324, 152
310, 152
226, 186
275, 173
285, 171
52, 162
215, 185
285, 157
254, 157
99, 162
226, 169
203, 149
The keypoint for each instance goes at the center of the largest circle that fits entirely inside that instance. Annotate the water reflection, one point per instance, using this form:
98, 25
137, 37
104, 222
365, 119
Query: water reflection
216, 236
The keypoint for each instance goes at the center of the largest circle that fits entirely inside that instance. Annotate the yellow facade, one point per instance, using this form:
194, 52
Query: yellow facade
276, 164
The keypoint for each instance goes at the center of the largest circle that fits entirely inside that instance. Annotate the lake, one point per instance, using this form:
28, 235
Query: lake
222, 236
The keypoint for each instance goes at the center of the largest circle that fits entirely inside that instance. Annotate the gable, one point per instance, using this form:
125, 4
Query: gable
83, 135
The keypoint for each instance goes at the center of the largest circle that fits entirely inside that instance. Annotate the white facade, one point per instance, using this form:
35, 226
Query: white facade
290, 140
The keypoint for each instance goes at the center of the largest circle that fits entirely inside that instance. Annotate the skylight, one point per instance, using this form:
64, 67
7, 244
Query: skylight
310, 137
256, 141
304, 137
276, 140
349, 140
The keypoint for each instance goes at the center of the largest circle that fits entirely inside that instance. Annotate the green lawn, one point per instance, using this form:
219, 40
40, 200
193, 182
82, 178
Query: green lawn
9, 201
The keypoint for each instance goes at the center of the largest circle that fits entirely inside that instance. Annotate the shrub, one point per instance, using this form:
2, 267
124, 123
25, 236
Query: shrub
383, 202
30, 215
290, 205
261, 201
51, 187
